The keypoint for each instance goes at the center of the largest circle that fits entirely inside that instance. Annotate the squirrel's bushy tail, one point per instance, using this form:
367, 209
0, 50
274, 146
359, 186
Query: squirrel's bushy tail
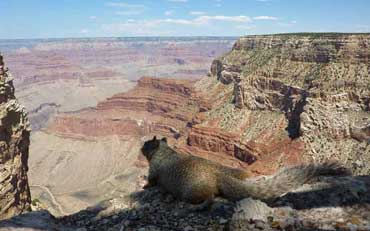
284, 181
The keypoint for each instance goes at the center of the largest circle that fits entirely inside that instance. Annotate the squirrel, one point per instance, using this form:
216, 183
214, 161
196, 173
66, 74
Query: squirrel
196, 180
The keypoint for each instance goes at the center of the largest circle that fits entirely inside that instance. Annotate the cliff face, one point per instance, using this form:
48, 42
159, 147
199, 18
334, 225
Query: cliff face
14, 142
294, 98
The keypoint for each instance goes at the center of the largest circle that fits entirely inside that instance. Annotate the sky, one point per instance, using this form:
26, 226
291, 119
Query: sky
24, 19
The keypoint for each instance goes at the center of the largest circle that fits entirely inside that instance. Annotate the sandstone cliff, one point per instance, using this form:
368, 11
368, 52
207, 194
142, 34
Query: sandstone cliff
14, 141
292, 98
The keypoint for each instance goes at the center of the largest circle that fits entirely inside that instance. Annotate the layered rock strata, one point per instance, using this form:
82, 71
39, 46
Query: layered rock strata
311, 89
15, 195
154, 106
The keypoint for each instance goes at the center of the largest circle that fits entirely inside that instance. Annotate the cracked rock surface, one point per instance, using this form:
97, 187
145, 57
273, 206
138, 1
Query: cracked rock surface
15, 195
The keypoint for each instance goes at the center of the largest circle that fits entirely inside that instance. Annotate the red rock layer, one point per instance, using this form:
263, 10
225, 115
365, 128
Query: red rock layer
154, 106
271, 149
218, 141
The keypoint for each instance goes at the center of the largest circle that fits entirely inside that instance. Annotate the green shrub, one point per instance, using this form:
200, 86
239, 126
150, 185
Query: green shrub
35, 202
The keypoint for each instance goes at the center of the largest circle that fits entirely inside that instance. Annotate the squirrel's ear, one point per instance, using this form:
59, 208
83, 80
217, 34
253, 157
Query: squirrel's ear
154, 138
164, 139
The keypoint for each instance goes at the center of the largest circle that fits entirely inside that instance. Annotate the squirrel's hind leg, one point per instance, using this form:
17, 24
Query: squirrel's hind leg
201, 200
199, 195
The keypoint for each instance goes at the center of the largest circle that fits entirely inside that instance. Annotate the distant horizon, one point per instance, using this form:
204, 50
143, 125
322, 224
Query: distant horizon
123, 37
50, 19
190, 36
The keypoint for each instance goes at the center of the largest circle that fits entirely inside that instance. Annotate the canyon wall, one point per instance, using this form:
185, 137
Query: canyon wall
294, 98
15, 195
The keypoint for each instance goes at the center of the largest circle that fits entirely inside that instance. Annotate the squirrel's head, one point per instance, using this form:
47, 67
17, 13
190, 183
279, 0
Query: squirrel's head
151, 146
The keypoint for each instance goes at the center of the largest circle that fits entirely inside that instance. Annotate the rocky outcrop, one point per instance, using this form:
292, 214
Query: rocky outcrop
309, 88
33, 221
323, 205
15, 195
238, 95
361, 131
218, 142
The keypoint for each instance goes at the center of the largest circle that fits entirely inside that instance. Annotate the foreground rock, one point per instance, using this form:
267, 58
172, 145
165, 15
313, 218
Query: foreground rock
33, 221
15, 195
331, 203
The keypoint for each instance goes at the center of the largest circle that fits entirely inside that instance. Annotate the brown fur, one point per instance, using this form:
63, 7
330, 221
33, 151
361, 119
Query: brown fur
196, 180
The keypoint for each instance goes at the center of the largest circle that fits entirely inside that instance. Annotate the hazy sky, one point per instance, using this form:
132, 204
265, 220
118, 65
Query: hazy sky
106, 18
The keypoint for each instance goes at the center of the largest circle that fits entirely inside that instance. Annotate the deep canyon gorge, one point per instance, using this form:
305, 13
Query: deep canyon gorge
258, 103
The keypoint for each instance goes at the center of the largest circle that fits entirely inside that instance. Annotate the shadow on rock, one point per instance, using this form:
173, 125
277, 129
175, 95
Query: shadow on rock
329, 192
151, 209
32, 221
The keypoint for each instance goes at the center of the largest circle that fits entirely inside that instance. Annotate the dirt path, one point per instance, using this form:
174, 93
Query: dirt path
53, 199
